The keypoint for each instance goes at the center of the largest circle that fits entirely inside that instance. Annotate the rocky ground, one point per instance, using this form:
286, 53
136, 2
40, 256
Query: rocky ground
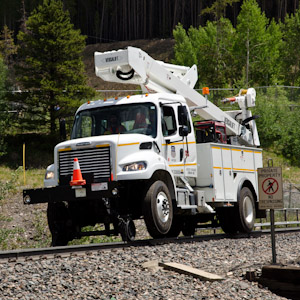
120, 274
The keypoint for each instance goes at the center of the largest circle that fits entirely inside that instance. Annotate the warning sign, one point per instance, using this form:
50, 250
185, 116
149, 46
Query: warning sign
270, 188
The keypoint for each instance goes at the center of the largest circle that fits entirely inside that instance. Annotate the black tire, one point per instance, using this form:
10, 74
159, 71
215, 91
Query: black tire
60, 224
176, 227
246, 206
240, 218
158, 210
227, 219
127, 230
189, 228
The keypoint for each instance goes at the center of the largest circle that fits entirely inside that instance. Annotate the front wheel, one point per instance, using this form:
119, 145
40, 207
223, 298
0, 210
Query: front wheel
158, 210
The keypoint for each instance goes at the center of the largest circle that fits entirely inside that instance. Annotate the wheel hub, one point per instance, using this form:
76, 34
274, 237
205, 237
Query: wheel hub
248, 210
163, 208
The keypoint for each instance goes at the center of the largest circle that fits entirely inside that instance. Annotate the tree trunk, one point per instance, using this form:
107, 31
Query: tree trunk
52, 119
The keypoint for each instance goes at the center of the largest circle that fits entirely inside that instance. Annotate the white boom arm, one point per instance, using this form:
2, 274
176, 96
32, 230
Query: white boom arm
136, 67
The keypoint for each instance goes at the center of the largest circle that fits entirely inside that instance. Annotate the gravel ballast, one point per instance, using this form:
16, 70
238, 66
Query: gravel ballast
119, 274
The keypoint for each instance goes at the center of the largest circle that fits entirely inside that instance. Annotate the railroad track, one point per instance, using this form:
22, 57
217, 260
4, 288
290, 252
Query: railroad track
65, 251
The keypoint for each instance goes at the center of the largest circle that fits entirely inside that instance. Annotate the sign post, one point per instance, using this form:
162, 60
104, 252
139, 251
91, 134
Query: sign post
270, 196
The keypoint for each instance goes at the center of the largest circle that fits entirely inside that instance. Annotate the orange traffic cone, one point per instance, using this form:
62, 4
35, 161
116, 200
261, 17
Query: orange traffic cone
77, 177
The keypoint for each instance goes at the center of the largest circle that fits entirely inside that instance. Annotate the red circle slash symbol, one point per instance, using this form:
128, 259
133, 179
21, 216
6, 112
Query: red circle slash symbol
270, 186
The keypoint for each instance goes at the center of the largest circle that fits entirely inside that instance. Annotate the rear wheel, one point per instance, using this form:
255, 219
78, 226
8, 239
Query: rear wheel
240, 218
158, 210
246, 216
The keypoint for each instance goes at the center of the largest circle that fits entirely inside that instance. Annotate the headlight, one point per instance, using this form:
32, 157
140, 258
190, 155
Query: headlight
49, 175
137, 166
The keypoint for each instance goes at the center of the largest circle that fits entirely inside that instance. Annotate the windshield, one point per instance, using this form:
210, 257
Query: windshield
124, 119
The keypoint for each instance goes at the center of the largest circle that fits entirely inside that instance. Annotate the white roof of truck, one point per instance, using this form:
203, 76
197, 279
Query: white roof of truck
154, 98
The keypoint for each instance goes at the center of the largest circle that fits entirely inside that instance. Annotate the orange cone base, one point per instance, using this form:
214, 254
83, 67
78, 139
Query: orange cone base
77, 182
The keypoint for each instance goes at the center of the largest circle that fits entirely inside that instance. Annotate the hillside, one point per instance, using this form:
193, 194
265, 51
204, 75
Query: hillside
160, 49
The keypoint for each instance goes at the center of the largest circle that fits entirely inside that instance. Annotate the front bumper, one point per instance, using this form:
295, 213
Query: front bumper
95, 191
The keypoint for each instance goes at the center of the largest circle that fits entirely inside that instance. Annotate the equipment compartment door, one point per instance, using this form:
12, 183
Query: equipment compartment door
227, 173
218, 172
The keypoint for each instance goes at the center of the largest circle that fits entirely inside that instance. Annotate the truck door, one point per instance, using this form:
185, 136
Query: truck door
179, 151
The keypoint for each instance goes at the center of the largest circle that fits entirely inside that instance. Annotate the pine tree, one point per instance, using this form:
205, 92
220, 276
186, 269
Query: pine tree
184, 52
290, 50
51, 68
256, 46
8, 49
3, 104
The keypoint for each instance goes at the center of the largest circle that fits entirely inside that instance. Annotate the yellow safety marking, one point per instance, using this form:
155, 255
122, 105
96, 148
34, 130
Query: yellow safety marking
182, 165
215, 147
225, 149
65, 149
250, 151
257, 152
235, 169
249, 170
100, 146
130, 144
178, 143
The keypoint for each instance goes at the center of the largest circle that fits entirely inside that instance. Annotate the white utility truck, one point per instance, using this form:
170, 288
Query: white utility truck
142, 157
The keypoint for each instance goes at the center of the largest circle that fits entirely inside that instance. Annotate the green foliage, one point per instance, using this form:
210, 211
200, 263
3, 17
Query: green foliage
184, 51
3, 104
218, 8
6, 236
9, 186
203, 47
225, 56
51, 65
94, 239
278, 125
290, 49
256, 46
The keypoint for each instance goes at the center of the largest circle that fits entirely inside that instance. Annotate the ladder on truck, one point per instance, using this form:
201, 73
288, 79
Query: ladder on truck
135, 66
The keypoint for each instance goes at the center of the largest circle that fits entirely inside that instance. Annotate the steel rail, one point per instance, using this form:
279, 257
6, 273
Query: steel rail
14, 255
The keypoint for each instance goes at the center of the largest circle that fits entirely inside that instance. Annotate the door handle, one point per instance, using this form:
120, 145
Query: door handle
181, 154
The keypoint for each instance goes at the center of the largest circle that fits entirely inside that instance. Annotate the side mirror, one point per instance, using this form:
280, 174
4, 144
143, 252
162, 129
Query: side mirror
183, 130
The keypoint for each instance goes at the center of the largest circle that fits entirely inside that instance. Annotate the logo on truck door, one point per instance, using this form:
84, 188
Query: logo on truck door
173, 151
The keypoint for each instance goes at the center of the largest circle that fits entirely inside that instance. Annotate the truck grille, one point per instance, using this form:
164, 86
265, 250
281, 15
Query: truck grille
94, 163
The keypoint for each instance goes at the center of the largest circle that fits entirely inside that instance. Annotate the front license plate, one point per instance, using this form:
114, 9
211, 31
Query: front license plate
101, 186
80, 193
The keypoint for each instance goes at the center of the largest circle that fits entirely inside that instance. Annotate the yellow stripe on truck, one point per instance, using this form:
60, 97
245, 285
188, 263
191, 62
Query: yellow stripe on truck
130, 144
